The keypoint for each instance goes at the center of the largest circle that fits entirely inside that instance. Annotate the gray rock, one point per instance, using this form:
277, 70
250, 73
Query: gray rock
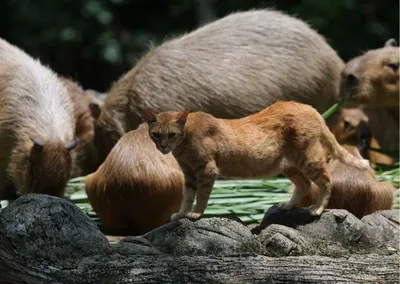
47, 230
135, 246
207, 236
280, 240
335, 233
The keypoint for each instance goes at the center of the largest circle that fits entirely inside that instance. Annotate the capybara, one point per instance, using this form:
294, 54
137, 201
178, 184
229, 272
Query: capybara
37, 126
351, 128
137, 188
85, 111
353, 189
230, 68
372, 80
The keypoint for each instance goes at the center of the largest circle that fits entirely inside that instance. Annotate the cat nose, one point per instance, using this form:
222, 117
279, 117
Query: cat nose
163, 143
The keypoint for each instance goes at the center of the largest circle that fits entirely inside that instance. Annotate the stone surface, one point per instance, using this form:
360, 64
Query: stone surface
207, 236
335, 233
47, 230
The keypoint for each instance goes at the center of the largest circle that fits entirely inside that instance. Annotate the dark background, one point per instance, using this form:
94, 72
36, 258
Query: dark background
96, 41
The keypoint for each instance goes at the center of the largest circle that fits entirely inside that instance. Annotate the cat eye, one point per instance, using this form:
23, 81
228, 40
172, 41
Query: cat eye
171, 135
394, 66
155, 135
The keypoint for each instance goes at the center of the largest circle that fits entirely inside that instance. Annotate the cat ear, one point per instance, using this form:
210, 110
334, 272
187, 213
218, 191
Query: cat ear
183, 117
149, 116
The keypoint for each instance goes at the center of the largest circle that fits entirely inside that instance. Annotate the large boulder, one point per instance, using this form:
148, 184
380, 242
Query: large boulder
335, 233
47, 230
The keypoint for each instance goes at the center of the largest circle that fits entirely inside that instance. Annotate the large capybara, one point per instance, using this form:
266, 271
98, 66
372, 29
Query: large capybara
354, 190
351, 128
85, 111
37, 126
230, 68
372, 80
137, 188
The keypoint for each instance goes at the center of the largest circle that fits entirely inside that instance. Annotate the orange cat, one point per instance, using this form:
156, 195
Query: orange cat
287, 137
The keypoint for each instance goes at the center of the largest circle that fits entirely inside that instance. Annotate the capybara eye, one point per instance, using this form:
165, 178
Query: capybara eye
346, 124
394, 66
171, 135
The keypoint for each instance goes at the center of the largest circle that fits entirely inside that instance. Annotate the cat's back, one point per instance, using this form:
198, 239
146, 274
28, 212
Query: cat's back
286, 109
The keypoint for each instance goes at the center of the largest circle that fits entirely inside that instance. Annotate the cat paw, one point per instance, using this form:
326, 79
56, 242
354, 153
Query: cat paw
316, 210
193, 216
286, 206
177, 216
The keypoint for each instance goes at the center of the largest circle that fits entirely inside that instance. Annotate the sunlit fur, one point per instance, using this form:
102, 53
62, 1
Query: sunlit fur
355, 190
86, 153
34, 104
346, 130
230, 68
137, 188
376, 83
287, 137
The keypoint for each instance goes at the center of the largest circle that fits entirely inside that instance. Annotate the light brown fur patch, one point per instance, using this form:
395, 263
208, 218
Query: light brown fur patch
137, 188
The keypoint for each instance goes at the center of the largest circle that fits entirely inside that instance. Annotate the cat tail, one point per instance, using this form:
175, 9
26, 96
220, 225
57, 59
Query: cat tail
337, 151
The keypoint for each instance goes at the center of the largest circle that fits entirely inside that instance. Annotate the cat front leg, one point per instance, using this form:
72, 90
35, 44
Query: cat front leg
205, 181
189, 193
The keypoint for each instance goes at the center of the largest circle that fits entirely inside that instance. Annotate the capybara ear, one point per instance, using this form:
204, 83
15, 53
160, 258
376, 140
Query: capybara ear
38, 143
391, 42
71, 144
149, 116
183, 117
95, 110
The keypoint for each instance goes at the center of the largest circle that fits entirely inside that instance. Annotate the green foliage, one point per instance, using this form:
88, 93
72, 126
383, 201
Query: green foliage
95, 41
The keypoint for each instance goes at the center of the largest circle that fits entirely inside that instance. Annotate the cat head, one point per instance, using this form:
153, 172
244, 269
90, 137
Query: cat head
166, 129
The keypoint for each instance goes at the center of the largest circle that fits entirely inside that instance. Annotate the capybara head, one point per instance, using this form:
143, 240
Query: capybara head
48, 167
166, 129
373, 78
348, 125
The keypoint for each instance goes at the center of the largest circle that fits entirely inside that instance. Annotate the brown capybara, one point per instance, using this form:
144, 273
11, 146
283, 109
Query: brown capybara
137, 188
372, 80
37, 126
230, 68
85, 111
351, 127
355, 190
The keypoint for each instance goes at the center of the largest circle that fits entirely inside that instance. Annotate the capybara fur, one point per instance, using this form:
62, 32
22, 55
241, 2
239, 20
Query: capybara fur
351, 128
230, 68
354, 190
37, 126
137, 188
84, 106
